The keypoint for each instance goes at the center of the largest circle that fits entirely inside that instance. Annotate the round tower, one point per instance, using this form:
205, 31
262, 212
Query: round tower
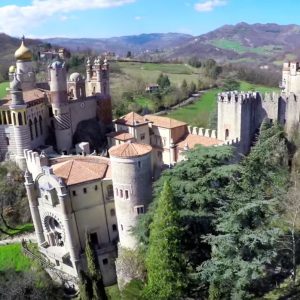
24, 67
60, 106
21, 131
132, 181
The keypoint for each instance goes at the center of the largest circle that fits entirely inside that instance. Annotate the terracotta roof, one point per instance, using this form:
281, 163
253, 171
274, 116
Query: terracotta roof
76, 170
164, 121
192, 139
131, 119
128, 150
28, 96
121, 135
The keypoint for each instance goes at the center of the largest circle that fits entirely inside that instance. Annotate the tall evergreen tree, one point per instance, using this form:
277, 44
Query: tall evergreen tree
164, 260
246, 224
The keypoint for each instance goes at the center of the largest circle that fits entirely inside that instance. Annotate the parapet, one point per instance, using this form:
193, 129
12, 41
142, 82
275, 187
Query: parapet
234, 142
237, 97
35, 162
211, 133
270, 97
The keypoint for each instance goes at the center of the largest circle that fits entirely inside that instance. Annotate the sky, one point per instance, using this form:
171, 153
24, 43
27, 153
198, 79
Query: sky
109, 18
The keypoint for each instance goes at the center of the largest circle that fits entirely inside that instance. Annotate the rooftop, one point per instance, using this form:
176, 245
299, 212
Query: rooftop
191, 140
78, 169
28, 96
131, 119
121, 135
164, 121
128, 150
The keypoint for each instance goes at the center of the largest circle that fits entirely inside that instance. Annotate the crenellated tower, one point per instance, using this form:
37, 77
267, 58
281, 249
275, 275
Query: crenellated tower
60, 105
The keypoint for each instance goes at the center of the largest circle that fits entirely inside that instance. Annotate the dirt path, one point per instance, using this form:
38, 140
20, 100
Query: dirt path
17, 239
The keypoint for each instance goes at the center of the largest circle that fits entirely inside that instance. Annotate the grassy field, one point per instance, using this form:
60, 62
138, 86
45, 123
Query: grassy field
239, 48
198, 113
11, 257
3, 86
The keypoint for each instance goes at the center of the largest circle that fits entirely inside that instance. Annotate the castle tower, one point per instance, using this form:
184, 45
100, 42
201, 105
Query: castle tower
60, 106
132, 181
34, 210
20, 128
239, 117
93, 77
24, 67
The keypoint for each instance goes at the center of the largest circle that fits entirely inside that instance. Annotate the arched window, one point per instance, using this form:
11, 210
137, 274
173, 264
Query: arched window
20, 119
36, 127
9, 116
30, 128
110, 191
226, 134
14, 119
41, 125
4, 117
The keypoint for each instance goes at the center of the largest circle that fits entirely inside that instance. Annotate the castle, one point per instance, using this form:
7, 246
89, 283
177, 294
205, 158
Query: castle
73, 197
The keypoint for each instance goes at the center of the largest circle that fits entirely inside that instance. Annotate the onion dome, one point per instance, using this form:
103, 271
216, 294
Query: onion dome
75, 77
23, 53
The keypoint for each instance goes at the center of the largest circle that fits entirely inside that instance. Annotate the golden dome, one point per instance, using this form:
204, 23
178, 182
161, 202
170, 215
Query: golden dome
23, 53
12, 69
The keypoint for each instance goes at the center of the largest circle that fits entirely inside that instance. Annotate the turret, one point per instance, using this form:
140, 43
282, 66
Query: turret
21, 135
60, 106
132, 182
24, 67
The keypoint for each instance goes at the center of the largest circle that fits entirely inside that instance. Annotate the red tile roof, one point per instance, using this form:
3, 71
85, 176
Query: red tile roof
28, 96
164, 121
192, 139
128, 150
131, 119
75, 170
121, 135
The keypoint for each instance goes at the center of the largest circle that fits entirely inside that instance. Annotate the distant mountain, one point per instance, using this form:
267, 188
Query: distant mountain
121, 45
257, 43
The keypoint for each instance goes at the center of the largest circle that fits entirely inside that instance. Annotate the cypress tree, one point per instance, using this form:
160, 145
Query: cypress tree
164, 260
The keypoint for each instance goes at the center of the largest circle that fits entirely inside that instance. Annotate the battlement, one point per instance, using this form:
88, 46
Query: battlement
35, 161
237, 97
211, 133
291, 67
270, 97
234, 142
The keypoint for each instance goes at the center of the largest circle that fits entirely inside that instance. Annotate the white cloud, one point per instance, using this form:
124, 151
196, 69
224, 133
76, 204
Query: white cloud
17, 20
209, 5
138, 18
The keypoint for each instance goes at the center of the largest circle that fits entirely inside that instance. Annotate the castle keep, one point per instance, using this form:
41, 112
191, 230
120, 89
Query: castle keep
73, 197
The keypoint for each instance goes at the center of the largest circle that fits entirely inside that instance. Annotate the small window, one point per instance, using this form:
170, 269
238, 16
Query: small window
46, 197
94, 238
139, 209
121, 193
139, 164
226, 134
117, 192
142, 136
84, 190
74, 193
110, 191
105, 261
121, 227
7, 141
164, 140
112, 212
96, 187
126, 194
114, 227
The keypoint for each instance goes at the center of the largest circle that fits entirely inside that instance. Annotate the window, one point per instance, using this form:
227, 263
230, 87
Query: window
164, 141
74, 193
30, 128
121, 227
142, 136
110, 191
4, 117
126, 194
84, 190
105, 261
36, 127
226, 134
14, 119
139, 209
114, 227
94, 238
96, 187
9, 116
117, 192
7, 140
112, 212
20, 121
46, 197
41, 124
139, 164
121, 193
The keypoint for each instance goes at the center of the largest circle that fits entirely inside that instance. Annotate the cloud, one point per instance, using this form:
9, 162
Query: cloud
209, 5
16, 19
138, 18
